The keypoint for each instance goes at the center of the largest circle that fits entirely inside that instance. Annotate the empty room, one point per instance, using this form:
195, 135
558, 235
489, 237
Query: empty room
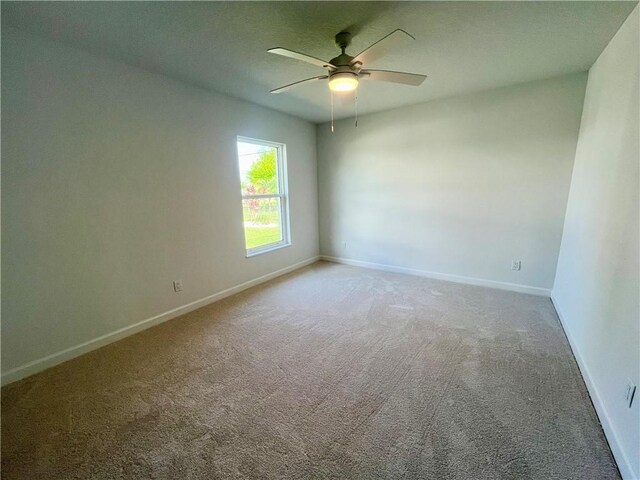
320, 240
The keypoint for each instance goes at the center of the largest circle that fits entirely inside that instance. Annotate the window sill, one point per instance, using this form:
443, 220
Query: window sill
266, 249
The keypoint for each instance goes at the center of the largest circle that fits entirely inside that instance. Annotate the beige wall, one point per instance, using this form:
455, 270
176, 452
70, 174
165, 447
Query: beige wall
458, 187
597, 286
115, 182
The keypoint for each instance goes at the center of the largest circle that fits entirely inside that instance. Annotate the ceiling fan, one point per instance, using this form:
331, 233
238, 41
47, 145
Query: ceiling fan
345, 72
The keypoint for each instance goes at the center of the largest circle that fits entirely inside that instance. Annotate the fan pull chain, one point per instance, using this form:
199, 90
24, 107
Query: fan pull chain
331, 94
356, 95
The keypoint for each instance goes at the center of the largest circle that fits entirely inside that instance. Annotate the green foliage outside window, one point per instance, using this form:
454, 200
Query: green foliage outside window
263, 174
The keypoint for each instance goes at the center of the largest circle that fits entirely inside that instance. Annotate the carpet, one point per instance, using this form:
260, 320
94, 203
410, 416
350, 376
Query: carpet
330, 372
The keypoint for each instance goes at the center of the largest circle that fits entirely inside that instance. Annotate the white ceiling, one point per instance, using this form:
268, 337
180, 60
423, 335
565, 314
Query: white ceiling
462, 46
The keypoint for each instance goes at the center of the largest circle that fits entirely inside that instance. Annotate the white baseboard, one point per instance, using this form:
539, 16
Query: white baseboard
624, 465
77, 350
514, 287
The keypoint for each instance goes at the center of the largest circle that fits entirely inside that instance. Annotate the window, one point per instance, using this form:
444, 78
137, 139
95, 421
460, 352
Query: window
263, 180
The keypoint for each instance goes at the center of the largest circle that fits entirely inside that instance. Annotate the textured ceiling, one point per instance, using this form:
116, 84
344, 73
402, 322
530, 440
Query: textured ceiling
462, 46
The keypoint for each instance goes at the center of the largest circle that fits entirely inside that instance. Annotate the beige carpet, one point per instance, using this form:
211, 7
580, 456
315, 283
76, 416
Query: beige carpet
330, 372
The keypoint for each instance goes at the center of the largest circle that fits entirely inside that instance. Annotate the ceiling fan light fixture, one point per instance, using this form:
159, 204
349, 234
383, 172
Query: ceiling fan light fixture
343, 82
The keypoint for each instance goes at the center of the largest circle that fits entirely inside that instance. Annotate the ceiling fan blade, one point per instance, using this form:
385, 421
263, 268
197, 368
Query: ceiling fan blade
299, 82
393, 41
414, 79
301, 56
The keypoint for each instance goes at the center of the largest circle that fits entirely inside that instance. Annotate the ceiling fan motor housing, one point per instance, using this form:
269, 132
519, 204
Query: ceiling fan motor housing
342, 60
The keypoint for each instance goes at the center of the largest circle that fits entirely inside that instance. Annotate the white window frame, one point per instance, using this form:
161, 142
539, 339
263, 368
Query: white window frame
283, 195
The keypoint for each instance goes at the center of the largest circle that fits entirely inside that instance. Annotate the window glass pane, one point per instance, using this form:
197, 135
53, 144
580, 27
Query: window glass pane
258, 169
262, 225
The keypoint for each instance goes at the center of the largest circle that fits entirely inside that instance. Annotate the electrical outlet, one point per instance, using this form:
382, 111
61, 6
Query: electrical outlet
177, 285
630, 393
516, 265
